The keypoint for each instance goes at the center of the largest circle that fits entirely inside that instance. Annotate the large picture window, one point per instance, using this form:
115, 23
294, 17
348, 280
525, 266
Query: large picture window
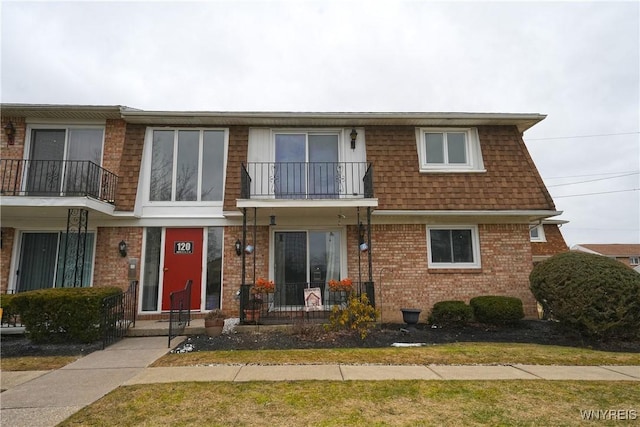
453, 247
187, 165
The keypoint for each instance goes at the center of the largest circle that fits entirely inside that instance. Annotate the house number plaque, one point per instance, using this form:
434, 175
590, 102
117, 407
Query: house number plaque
181, 248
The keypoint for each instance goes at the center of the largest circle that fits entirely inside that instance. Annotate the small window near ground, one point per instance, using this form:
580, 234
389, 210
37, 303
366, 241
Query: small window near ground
455, 247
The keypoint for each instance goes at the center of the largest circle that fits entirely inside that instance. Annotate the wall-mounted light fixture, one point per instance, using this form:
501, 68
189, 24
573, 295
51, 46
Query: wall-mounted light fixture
122, 248
362, 244
353, 136
272, 220
238, 247
10, 131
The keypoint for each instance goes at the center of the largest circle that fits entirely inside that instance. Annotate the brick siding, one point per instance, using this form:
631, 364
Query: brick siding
237, 154
555, 243
8, 234
110, 268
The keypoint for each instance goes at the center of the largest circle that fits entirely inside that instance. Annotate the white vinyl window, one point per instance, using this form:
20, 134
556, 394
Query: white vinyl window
453, 247
536, 234
449, 150
187, 165
634, 260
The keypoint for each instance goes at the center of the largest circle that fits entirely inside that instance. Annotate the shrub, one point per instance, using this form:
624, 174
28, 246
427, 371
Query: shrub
497, 309
8, 307
358, 316
63, 314
450, 313
591, 294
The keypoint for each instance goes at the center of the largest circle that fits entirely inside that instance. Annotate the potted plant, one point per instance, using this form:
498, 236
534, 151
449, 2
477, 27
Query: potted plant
253, 308
214, 322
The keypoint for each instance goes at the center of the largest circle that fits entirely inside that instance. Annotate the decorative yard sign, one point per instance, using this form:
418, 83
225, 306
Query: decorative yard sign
182, 248
312, 299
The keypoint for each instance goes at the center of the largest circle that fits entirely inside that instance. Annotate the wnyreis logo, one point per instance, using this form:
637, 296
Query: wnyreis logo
609, 414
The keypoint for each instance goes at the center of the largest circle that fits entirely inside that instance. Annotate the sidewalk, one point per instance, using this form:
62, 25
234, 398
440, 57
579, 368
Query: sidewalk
45, 398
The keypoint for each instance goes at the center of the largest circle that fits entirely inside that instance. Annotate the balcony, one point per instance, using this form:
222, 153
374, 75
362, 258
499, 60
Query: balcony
307, 180
57, 178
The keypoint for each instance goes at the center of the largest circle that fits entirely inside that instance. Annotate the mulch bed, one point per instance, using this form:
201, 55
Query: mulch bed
305, 337
314, 336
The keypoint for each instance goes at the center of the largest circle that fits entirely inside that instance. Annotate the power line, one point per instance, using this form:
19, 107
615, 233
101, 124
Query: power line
591, 174
593, 194
583, 136
593, 180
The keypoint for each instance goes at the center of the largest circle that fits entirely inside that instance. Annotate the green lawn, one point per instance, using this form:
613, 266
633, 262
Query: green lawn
328, 403
458, 353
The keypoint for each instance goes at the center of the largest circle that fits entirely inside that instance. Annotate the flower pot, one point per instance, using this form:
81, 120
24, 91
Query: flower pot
213, 327
410, 316
252, 315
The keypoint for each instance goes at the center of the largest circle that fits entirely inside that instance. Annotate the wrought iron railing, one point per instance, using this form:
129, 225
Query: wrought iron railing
57, 178
180, 311
307, 180
119, 314
291, 302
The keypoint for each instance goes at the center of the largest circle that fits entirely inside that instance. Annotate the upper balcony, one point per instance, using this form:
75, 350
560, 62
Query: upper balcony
324, 181
55, 183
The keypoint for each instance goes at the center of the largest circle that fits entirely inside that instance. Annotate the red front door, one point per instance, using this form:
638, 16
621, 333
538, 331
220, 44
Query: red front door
182, 262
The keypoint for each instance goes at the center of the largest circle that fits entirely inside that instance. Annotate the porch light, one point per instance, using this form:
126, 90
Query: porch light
272, 220
10, 131
122, 248
353, 136
238, 247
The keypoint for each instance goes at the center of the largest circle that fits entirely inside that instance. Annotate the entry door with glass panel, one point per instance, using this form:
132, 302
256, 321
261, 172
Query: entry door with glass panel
64, 162
306, 166
304, 259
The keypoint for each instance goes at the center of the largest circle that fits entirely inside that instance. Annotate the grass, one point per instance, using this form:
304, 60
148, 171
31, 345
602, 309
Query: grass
328, 403
36, 363
458, 353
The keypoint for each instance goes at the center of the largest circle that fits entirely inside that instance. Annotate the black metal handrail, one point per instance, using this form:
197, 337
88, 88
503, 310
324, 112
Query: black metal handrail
119, 314
180, 311
312, 180
57, 178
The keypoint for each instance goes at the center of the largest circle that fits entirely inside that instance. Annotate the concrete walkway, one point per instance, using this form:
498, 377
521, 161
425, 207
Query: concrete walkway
45, 398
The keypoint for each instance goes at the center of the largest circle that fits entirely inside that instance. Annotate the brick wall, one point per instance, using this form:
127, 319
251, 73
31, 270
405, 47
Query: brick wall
8, 235
407, 282
110, 268
555, 243
511, 181
232, 265
114, 137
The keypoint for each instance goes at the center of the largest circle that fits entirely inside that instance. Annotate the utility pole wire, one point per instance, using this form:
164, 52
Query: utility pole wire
582, 136
593, 194
593, 180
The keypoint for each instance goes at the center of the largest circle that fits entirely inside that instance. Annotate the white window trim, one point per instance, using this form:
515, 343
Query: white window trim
474, 153
475, 243
634, 260
163, 208
541, 236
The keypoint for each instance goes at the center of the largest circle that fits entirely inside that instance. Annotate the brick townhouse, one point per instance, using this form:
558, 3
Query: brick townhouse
414, 208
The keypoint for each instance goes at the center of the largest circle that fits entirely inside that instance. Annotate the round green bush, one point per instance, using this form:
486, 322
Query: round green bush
592, 294
450, 313
497, 309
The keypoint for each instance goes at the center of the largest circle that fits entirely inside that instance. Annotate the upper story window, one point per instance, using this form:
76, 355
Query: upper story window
60, 159
634, 260
449, 150
187, 165
536, 233
453, 247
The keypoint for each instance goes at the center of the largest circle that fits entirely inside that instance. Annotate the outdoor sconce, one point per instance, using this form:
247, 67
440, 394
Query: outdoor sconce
238, 247
272, 220
10, 131
353, 136
122, 248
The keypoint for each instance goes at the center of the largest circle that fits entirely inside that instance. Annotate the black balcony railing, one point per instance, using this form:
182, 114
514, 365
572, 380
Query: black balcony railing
307, 180
57, 178
292, 302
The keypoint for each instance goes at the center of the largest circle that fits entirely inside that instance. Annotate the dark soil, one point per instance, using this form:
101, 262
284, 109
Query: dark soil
528, 331
314, 336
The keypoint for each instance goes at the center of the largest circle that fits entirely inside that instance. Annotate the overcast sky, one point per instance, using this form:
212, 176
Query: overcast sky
577, 62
